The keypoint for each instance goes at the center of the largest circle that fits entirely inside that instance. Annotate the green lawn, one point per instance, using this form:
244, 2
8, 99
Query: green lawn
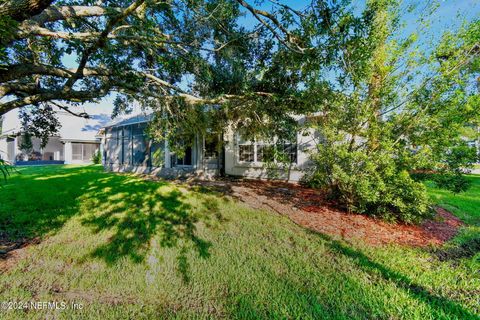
465, 205
126, 248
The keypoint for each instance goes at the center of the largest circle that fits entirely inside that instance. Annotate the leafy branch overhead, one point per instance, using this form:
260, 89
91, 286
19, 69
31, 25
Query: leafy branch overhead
138, 49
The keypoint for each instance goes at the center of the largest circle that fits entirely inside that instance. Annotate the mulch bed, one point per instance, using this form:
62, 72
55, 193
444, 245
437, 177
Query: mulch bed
309, 208
12, 251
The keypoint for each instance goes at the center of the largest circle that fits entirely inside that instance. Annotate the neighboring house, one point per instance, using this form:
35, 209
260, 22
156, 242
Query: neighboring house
472, 138
126, 147
75, 143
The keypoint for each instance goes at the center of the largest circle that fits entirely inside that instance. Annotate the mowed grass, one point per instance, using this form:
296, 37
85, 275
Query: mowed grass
466, 205
126, 248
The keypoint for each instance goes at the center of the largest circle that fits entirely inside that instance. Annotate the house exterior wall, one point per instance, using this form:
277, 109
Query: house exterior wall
12, 149
4, 149
56, 151
59, 148
68, 152
53, 150
305, 142
121, 143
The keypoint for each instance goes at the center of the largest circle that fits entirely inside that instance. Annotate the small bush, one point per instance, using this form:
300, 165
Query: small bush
453, 182
158, 158
97, 157
449, 174
459, 158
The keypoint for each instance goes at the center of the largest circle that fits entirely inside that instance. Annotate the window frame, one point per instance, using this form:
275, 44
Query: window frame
255, 143
174, 159
82, 145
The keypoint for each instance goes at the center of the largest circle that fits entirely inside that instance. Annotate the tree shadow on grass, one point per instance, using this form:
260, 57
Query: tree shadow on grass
451, 309
41, 200
137, 212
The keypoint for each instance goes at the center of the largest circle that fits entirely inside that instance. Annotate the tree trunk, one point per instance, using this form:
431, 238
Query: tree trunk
23, 9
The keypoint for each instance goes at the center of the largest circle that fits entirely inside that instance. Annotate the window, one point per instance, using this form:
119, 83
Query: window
246, 150
246, 153
211, 148
287, 150
113, 134
83, 151
77, 151
265, 153
126, 145
139, 144
89, 151
260, 151
186, 160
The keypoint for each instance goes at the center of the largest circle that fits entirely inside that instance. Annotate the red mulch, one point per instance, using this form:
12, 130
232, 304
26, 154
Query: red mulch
309, 208
13, 251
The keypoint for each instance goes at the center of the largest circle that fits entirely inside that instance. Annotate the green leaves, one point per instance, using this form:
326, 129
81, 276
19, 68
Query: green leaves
389, 109
6, 169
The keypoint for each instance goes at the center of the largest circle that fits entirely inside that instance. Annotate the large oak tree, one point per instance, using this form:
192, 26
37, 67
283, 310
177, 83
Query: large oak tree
140, 49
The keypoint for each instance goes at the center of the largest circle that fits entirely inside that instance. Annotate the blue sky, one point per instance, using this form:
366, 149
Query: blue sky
449, 15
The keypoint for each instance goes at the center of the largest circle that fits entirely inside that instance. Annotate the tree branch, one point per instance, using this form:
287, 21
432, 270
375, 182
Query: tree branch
66, 109
101, 40
258, 14
21, 10
70, 95
18, 71
55, 13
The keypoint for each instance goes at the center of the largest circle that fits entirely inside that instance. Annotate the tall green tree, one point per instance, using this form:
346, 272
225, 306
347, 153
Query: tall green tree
386, 111
177, 57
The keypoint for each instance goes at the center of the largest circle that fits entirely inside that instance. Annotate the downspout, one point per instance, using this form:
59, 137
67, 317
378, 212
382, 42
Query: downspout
131, 142
222, 164
123, 146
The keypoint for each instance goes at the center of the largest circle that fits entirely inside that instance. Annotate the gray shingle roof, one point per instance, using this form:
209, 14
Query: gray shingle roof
139, 118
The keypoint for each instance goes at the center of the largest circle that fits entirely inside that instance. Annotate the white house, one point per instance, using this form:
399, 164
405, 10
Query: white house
76, 142
126, 147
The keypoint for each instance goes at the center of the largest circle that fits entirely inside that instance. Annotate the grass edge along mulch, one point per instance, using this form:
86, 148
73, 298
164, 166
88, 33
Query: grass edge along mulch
308, 208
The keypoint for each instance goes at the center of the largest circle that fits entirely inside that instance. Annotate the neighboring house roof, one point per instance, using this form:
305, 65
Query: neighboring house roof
73, 128
138, 118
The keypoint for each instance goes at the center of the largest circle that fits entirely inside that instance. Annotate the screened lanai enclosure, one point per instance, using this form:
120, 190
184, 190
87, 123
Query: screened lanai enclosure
128, 147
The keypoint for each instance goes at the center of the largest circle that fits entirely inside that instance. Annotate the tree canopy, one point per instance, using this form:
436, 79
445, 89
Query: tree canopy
139, 49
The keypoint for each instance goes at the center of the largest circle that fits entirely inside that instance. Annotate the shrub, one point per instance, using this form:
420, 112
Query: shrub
453, 182
158, 158
459, 158
369, 184
97, 157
